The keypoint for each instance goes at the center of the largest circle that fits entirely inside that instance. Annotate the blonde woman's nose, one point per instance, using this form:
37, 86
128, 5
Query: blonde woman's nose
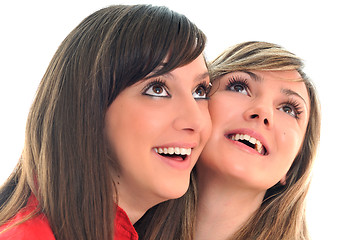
263, 113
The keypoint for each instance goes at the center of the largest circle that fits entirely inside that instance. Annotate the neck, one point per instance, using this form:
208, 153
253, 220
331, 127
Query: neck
134, 203
135, 208
223, 207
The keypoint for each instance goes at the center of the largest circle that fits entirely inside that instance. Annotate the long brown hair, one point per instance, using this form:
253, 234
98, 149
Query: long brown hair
65, 163
282, 213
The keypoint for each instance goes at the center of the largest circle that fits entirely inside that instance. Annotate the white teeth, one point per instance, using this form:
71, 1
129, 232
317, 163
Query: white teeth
184, 151
257, 143
174, 150
170, 150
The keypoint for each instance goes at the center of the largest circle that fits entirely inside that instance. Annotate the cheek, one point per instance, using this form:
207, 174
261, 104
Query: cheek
290, 134
291, 140
147, 116
131, 126
206, 124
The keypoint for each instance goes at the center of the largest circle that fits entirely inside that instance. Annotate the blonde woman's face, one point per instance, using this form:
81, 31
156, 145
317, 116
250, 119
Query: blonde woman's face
259, 122
157, 129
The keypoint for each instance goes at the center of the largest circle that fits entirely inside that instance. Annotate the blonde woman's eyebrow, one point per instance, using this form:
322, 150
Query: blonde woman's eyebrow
254, 76
290, 92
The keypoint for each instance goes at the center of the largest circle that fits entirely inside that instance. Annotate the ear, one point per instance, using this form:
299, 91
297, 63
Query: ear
283, 180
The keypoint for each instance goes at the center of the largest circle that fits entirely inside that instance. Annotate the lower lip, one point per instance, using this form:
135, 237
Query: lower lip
177, 162
244, 147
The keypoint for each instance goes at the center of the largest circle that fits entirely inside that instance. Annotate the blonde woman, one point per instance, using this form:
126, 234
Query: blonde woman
254, 172
118, 122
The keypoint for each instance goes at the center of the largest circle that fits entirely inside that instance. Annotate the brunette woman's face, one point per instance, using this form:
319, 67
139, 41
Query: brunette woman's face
259, 123
157, 129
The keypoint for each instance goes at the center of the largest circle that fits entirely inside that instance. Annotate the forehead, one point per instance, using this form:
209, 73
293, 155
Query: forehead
288, 76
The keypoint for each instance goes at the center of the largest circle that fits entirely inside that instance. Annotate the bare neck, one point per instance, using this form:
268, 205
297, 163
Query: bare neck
134, 211
223, 207
134, 203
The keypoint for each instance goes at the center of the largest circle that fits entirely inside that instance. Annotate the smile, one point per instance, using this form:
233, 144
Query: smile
174, 152
250, 142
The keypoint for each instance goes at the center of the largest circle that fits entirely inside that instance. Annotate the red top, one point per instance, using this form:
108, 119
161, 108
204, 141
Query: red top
38, 228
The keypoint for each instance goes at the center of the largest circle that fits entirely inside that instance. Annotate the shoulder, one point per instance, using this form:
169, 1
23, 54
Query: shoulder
37, 227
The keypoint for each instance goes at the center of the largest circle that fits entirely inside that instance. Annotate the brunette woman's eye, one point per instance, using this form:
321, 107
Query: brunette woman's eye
156, 89
240, 85
201, 91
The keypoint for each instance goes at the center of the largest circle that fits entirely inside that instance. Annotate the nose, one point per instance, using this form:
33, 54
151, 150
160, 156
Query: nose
190, 116
261, 112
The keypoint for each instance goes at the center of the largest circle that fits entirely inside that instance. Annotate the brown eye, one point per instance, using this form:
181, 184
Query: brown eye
156, 89
287, 109
291, 108
200, 92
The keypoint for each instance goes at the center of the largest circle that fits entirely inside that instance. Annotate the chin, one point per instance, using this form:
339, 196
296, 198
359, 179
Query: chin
175, 191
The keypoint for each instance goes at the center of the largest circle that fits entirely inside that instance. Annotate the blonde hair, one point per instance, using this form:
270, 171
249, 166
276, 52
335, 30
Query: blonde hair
282, 213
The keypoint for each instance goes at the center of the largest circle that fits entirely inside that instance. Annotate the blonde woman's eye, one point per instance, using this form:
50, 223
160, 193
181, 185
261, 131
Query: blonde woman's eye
201, 91
291, 108
156, 89
288, 110
236, 84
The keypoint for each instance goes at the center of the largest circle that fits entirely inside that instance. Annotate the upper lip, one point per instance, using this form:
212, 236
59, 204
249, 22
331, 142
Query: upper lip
251, 133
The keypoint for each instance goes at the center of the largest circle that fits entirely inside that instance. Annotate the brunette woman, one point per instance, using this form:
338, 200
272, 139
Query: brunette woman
118, 122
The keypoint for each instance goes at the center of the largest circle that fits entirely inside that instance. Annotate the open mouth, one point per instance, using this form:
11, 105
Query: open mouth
176, 153
250, 142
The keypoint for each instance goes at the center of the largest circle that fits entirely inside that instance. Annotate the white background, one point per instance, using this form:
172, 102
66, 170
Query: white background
326, 34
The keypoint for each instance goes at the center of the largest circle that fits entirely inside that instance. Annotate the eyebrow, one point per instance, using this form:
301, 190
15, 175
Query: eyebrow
290, 92
254, 76
202, 76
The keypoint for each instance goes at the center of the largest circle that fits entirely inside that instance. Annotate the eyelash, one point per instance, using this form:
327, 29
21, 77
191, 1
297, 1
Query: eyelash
295, 106
160, 83
236, 80
156, 82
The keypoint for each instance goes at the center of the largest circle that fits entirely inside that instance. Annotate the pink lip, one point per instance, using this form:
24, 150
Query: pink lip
251, 133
